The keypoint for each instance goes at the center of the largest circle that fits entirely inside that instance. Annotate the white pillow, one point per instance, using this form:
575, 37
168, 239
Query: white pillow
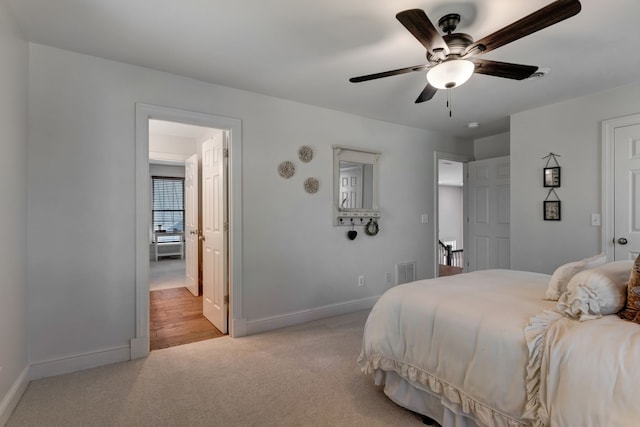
596, 292
560, 278
596, 260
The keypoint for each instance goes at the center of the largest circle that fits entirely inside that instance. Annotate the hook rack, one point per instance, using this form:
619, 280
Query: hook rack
356, 218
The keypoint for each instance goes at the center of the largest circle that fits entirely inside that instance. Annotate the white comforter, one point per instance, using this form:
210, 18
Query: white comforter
590, 373
481, 341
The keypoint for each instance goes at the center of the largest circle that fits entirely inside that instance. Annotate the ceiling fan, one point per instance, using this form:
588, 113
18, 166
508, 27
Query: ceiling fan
453, 57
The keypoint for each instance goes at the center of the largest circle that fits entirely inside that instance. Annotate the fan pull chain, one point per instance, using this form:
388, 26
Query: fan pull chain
449, 102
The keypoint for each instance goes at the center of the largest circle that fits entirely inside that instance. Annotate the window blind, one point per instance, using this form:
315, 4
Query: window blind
167, 203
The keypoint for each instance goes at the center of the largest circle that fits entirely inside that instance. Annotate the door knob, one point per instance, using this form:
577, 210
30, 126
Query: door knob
622, 241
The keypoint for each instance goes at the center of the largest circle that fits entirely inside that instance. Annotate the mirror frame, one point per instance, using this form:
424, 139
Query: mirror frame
355, 155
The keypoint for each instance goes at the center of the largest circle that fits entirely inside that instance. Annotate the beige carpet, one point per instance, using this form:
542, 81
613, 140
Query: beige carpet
304, 375
166, 273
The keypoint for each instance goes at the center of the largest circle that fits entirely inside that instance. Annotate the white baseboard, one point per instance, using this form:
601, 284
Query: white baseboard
9, 402
289, 319
238, 327
77, 362
140, 347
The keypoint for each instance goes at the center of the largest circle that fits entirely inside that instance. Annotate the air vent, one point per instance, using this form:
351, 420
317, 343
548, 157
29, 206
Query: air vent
405, 272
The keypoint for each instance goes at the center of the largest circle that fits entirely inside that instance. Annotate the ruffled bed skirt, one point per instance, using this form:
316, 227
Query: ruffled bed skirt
453, 399
456, 402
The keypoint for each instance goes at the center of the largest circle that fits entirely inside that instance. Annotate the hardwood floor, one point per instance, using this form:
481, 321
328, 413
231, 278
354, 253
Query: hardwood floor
449, 270
176, 318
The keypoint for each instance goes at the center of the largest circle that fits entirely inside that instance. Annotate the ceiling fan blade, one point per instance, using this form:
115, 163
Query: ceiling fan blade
418, 24
551, 14
503, 69
387, 74
426, 94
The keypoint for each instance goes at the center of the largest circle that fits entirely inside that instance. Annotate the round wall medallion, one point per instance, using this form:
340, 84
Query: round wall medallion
311, 185
305, 153
286, 169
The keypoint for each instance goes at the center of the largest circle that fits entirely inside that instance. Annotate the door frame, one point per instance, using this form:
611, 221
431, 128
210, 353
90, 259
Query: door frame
461, 158
139, 345
608, 180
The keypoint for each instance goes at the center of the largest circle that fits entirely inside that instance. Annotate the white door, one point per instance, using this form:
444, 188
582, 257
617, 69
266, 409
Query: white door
627, 192
191, 224
351, 186
214, 231
488, 183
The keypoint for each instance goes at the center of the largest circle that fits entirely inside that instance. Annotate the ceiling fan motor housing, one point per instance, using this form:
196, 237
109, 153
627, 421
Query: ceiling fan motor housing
458, 42
449, 22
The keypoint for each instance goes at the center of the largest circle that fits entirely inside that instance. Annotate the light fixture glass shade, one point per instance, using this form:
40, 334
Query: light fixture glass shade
450, 74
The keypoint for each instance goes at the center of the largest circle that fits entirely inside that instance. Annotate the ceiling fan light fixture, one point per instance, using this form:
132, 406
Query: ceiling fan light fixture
450, 74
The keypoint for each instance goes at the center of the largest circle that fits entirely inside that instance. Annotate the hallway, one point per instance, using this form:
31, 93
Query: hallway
176, 318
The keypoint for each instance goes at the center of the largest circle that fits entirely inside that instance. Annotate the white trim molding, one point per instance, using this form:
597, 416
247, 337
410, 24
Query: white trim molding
295, 318
608, 179
77, 362
11, 399
144, 112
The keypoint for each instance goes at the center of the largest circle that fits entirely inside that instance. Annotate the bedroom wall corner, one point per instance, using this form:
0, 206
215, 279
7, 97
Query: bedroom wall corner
13, 211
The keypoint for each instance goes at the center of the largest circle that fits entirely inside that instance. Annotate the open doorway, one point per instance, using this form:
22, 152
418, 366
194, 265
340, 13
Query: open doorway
449, 213
450, 217
229, 297
176, 300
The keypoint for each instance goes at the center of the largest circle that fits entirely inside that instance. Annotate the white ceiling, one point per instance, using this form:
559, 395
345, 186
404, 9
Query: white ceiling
307, 50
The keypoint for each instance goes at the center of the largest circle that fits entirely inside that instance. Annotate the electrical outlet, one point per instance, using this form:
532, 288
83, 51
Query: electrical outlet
360, 280
595, 219
388, 277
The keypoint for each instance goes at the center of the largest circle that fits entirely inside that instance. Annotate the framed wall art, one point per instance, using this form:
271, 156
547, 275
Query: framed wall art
552, 210
552, 176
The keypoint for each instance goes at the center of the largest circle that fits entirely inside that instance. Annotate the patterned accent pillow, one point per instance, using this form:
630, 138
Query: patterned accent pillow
632, 309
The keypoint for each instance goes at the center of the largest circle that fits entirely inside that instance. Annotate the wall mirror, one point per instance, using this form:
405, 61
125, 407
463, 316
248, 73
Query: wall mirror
355, 185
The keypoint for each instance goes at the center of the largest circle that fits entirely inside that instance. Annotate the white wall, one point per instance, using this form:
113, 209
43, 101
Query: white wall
170, 147
491, 146
450, 205
166, 171
573, 130
13, 214
81, 154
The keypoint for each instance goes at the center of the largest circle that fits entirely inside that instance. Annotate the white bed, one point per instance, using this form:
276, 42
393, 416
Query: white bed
486, 349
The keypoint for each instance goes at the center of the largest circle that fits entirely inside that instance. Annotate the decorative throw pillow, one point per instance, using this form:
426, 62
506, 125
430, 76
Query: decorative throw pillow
560, 278
596, 292
632, 308
596, 260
